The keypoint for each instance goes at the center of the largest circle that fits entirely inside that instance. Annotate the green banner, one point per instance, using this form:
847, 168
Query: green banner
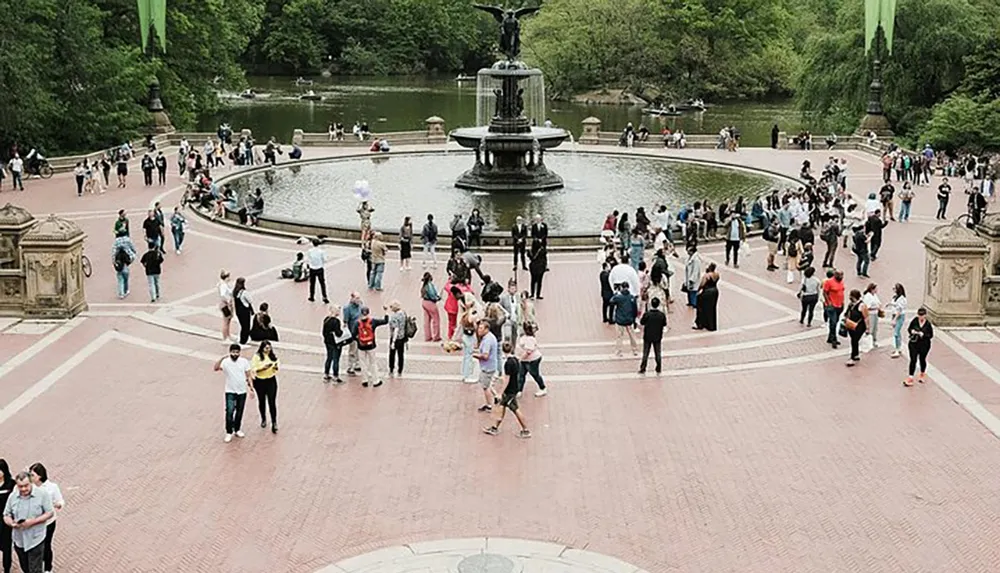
153, 13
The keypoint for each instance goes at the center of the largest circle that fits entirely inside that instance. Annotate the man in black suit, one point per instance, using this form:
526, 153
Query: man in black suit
519, 234
540, 231
653, 323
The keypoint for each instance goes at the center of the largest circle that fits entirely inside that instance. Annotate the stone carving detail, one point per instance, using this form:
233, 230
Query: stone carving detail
961, 271
932, 278
993, 295
13, 216
12, 288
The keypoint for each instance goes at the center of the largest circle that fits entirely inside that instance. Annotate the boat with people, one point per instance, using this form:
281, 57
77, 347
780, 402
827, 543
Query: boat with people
696, 105
248, 94
300, 81
311, 96
464, 78
670, 111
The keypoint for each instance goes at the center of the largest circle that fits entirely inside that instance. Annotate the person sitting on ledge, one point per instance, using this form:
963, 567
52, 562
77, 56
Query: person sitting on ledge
376, 145
384, 145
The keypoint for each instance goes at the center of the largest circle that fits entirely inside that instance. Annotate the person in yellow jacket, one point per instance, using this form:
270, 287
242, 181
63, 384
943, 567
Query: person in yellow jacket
264, 367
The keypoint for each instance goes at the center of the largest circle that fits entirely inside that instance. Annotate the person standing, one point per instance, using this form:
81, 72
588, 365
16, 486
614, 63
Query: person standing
80, 174
429, 238
475, 224
905, 202
897, 309
397, 337
510, 302
692, 276
529, 356
509, 399
653, 322
873, 228
537, 268
540, 231
607, 309
706, 316
122, 224
736, 233
243, 307
316, 257
161, 168
335, 335
177, 225
378, 252
365, 337
147, 167
486, 353
808, 295
774, 136
626, 311
152, 260
920, 332
352, 312
238, 375
771, 236
519, 238
454, 292
153, 230
430, 297
225, 291
121, 168
861, 251
833, 304
7, 486
856, 324
264, 366
16, 166
943, 194
875, 312
405, 243
40, 479
123, 253
831, 236
26, 513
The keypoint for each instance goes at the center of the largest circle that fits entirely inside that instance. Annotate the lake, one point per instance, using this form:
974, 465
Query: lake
402, 103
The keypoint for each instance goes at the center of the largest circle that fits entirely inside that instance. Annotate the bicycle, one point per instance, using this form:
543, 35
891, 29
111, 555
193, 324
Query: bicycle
86, 266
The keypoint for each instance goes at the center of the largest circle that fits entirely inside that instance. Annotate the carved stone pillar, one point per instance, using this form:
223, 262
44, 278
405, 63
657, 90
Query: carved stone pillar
435, 130
51, 258
989, 230
14, 224
954, 276
591, 131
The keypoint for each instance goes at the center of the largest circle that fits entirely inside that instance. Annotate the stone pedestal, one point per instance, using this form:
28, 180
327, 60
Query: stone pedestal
591, 133
53, 275
435, 130
246, 133
297, 136
989, 229
876, 122
782, 140
160, 121
954, 275
15, 222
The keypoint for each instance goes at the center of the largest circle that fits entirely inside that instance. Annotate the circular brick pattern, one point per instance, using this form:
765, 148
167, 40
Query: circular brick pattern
482, 555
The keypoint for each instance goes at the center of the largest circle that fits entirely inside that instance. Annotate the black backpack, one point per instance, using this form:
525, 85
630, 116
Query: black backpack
122, 259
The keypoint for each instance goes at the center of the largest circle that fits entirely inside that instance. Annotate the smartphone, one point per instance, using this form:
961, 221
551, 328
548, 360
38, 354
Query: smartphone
20, 521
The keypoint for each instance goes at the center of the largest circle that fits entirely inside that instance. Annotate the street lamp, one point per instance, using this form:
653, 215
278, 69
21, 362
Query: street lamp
880, 16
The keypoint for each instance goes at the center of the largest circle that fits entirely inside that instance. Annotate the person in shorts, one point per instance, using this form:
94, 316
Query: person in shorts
508, 401
487, 354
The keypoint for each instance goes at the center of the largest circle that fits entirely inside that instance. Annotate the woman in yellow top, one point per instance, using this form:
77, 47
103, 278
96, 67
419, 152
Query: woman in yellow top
265, 382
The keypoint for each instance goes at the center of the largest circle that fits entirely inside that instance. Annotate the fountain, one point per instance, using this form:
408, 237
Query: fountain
510, 151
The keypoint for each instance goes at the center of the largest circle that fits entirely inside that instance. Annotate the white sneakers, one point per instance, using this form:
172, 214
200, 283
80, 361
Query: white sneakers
228, 438
240, 434
541, 393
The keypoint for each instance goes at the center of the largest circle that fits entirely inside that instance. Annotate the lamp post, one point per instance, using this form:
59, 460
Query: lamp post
153, 14
879, 22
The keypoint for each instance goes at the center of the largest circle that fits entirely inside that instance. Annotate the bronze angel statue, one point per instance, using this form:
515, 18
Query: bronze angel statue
510, 27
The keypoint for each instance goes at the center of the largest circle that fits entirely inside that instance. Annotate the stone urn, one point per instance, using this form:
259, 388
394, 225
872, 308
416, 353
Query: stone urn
15, 222
435, 130
955, 269
989, 229
591, 133
53, 272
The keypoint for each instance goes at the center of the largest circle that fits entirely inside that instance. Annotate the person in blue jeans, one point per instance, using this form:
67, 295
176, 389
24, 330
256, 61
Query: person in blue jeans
122, 254
177, 224
238, 375
377, 260
153, 260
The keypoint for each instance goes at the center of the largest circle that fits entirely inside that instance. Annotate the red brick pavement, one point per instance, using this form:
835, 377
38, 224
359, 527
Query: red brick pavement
801, 466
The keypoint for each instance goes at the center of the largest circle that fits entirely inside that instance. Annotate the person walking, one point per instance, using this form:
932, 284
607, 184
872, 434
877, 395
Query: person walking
920, 333
905, 202
809, 295
40, 479
833, 304
178, 223
243, 307
316, 258
537, 268
80, 174
706, 317
365, 337
429, 298
7, 487
856, 324
875, 312
335, 335
238, 374
486, 353
897, 310
405, 244
519, 239
529, 356
653, 322
508, 401
873, 228
860, 248
352, 313
264, 366
429, 238
736, 234
153, 229
26, 513
692, 276
122, 255
161, 168
225, 291
397, 337
152, 260
626, 311
378, 252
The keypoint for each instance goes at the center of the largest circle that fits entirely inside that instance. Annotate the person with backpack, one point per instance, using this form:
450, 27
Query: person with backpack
122, 254
429, 238
365, 337
152, 260
401, 329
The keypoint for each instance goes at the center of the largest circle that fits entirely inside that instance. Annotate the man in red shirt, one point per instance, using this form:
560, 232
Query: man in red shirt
833, 303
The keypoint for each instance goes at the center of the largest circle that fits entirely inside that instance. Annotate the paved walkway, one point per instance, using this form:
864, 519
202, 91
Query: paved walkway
757, 450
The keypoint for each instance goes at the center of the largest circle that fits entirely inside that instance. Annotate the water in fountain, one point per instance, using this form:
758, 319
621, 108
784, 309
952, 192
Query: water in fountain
486, 99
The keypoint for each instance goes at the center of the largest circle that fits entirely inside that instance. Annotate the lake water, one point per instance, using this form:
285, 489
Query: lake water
398, 103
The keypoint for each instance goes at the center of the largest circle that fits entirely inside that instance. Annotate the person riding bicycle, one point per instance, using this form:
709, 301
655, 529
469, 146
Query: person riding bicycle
33, 162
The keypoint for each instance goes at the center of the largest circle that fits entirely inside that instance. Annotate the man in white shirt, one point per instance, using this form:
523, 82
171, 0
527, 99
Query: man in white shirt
16, 172
237, 372
25, 514
316, 258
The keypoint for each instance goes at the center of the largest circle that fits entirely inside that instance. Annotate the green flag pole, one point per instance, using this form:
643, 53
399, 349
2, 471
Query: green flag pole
880, 18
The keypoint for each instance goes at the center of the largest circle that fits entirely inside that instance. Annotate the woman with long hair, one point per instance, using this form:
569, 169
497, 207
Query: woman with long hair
6, 489
429, 297
264, 366
243, 307
40, 477
707, 315
530, 358
405, 244
897, 310
856, 323
921, 332
537, 266
225, 302
334, 339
